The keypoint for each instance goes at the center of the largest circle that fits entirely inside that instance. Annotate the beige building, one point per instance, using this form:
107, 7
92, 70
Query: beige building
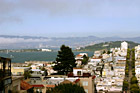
87, 83
85, 79
19, 70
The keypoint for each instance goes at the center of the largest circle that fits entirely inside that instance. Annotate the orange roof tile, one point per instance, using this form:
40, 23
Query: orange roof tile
37, 85
50, 86
77, 80
25, 86
79, 55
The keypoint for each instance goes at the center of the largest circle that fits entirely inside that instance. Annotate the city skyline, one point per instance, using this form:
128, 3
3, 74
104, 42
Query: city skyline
64, 18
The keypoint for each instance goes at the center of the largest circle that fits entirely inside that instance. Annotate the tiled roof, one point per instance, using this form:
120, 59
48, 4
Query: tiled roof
25, 86
37, 85
93, 77
77, 68
77, 80
79, 55
50, 86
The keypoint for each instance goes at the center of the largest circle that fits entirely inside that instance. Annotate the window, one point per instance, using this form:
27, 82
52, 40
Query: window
86, 90
85, 83
78, 73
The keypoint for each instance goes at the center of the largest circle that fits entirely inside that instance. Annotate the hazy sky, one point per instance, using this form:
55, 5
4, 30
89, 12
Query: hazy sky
68, 18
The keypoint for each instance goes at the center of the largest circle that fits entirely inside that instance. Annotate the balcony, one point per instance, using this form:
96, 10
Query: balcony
5, 72
5, 67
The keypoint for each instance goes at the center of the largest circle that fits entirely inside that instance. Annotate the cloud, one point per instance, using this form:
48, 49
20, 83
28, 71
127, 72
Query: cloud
21, 40
6, 19
6, 10
83, 7
91, 8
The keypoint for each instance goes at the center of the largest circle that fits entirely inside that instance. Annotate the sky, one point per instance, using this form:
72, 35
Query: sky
70, 18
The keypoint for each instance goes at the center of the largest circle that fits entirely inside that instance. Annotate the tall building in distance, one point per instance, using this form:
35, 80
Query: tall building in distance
124, 45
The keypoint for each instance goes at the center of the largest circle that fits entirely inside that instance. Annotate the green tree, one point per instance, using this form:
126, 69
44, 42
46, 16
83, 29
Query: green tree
27, 74
126, 72
135, 90
104, 52
65, 60
134, 80
134, 86
67, 88
108, 52
125, 85
43, 69
45, 73
85, 60
133, 71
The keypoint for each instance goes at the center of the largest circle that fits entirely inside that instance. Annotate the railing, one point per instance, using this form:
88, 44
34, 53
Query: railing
5, 73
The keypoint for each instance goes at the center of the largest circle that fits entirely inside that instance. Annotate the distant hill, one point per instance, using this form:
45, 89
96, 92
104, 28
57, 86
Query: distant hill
107, 45
34, 42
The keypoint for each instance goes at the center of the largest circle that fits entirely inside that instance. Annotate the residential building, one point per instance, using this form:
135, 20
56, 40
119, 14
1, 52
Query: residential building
124, 45
8, 83
19, 71
5, 75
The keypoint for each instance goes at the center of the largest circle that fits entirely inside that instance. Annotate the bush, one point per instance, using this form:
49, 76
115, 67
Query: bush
125, 85
133, 71
134, 86
126, 72
134, 80
135, 90
67, 88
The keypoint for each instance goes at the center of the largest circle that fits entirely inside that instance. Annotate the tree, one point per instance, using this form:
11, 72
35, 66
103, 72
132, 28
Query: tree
133, 71
134, 80
104, 52
67, 88
108, 52
112, 67
43, 69
65, 60
126, 72
125, 85
27, 74
85, 60
45, 73
134, 86
135, 90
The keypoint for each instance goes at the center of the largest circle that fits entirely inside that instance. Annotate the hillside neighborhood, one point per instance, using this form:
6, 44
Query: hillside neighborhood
104, 72
69, 46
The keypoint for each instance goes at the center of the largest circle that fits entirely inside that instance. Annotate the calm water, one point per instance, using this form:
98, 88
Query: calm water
21, 57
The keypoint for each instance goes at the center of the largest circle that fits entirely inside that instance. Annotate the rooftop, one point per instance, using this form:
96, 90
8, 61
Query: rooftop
25, 86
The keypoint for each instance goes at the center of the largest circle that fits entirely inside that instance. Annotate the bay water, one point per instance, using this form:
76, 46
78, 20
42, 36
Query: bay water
21, 57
